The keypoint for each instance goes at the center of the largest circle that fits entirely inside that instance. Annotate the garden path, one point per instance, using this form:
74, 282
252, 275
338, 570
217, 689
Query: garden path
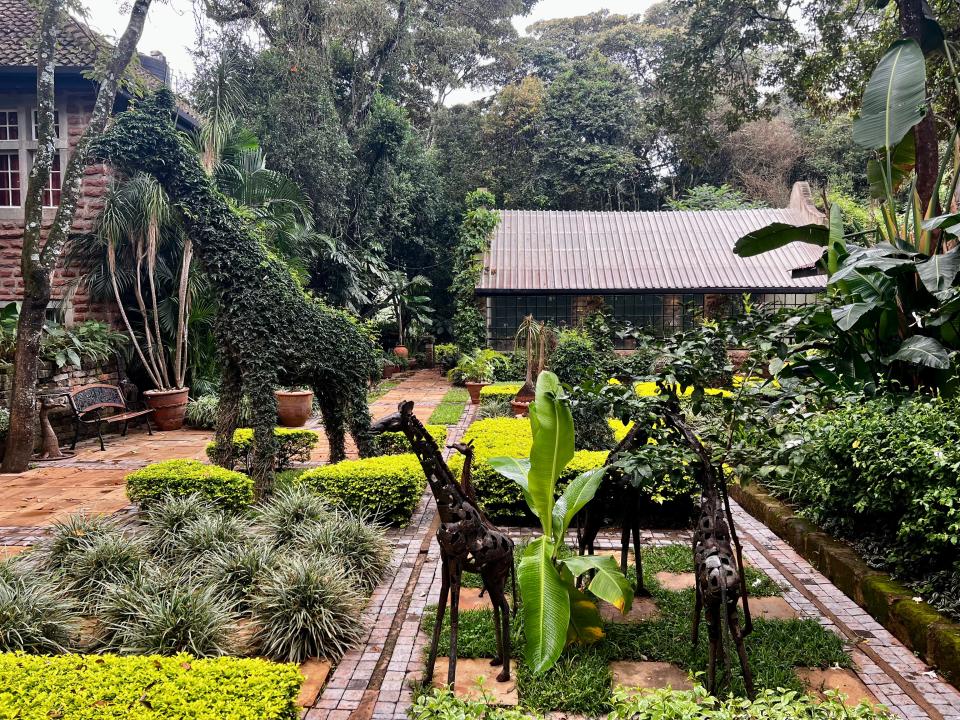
92, 480
373, 682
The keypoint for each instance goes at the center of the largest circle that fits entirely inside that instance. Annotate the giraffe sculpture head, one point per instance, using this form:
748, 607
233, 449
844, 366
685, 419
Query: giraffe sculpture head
395, 422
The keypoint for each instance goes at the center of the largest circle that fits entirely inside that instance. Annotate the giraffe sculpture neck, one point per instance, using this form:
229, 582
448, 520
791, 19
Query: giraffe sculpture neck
446, 490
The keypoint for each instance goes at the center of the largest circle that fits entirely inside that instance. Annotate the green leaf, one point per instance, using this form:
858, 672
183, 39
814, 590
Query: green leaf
552, 425
836, 247
518, 470
608, 583
586, 626
938, 273
546, 606
903, 158
922, 350
777, 235
893, 101
846, 317
578, 493
950, 223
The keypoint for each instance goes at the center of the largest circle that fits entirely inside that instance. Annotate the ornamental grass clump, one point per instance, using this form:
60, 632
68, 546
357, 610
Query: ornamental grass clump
205, 534
289, 512
306, 607
165, 519
36, 617
232, 571
159, 615
356, 541
101, 562
65, 536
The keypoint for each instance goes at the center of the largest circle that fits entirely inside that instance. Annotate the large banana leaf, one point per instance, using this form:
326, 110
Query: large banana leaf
836, 247
518, 470
586, 626
546, 605
937, 273
578, 493
894, 99
608, 582
779, 234
921, 350
552, 425
847, 316
903, 158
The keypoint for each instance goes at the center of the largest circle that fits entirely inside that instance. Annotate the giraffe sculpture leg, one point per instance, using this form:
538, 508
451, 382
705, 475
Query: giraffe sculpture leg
441, 612
713, 634
456, 574
734, 624
501, 620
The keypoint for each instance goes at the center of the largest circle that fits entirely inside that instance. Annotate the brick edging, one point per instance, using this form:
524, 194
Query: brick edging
931, 635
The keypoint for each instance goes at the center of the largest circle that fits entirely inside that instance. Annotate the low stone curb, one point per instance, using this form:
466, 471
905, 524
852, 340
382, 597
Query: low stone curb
932, 636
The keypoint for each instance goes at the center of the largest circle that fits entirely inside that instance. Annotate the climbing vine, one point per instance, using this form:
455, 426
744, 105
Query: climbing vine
477, 228
269, 332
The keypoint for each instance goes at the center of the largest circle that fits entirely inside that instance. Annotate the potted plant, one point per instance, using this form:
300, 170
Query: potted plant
294, 407
532, 338
405, 303
477, 372
389, 368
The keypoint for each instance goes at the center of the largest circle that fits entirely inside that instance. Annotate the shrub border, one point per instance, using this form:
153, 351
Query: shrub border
930, 634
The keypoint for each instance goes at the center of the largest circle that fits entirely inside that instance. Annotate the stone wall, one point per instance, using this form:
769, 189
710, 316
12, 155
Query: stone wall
54, 379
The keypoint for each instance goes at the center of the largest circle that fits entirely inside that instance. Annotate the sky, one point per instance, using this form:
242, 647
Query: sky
171, 28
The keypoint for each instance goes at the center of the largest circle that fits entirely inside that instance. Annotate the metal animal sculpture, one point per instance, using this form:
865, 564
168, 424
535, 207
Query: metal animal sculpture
468, 542
718, 565
620, 497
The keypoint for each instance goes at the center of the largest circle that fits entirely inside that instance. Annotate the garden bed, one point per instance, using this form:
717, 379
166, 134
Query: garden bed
933, 636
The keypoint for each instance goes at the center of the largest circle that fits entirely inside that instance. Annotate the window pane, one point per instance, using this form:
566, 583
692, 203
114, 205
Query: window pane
9, 179
9, 127
51, 194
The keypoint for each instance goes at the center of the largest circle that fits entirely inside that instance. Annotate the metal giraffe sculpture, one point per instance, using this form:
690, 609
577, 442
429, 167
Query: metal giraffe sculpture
467, 543
718, 565
625, 499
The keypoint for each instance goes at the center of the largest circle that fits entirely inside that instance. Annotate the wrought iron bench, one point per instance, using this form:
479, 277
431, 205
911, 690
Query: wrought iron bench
88, 402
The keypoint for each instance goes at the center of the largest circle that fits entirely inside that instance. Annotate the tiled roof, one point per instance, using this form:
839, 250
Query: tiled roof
551, 251
76, 44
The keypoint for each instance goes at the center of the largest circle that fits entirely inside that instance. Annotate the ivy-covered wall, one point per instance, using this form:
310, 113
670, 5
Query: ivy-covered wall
479, 222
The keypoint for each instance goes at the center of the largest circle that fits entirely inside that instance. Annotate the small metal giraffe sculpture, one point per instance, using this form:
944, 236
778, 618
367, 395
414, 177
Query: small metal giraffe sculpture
718, 565
468, 542
618, 497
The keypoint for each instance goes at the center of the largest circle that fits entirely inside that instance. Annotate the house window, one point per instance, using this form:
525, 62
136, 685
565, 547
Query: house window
9, 179
56, 124
9, 125
51, 193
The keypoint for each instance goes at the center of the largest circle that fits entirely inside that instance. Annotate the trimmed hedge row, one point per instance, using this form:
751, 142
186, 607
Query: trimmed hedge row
292, 444
146, 687
396, 443
389, 486
229, 489
500, 390
500, 497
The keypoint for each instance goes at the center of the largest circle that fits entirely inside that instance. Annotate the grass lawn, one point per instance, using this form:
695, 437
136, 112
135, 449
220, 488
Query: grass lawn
580, 681
450, 409
381, 388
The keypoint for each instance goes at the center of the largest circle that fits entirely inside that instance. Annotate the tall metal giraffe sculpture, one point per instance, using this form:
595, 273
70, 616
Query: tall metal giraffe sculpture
718, 563
468, 542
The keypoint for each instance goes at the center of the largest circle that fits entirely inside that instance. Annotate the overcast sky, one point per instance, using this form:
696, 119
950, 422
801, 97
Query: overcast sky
171, 28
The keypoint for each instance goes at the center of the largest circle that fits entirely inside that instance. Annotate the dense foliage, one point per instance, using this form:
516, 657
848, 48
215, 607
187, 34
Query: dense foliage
396, 443
147, 687
292, 444
227, 488
387, 487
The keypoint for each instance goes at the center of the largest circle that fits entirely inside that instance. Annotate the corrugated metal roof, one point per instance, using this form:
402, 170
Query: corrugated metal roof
557, 251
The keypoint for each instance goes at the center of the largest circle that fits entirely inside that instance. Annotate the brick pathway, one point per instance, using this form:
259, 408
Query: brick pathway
92, 480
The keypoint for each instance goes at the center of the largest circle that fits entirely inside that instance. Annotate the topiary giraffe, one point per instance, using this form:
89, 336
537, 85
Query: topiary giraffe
269, 332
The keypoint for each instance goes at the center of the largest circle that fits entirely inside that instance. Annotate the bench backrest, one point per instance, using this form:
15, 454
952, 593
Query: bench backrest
87, 398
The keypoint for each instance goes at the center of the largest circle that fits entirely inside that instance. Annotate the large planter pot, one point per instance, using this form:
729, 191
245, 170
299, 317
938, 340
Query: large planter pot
474, 389
169, 407
389, 371
295, 407
401, 351
519, 407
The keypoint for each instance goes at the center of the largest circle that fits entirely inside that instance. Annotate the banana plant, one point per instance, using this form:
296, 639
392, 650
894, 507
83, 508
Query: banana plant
555, 611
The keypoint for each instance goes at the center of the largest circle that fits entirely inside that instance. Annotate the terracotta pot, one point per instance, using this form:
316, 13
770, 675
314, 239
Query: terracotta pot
519, 407
388, 371
401, 351
474, 389
295, 407
169, 407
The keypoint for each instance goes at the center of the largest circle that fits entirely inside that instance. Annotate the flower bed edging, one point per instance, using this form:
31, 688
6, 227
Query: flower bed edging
933, 636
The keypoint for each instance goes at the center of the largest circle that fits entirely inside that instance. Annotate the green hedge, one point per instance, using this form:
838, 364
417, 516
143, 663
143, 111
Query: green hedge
390, 485
292, 444
146, 687
396, 443
500, 390
227, 488
500, 497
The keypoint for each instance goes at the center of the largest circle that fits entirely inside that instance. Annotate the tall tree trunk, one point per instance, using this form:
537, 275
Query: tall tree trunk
38, 259
925, 132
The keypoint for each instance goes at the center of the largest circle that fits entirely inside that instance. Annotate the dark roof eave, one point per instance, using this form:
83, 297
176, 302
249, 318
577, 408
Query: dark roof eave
490, 292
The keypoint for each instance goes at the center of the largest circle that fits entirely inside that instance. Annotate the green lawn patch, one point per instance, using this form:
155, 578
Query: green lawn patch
450, 409
381, 389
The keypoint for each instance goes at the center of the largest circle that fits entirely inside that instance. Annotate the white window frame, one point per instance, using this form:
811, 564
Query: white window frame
26, 145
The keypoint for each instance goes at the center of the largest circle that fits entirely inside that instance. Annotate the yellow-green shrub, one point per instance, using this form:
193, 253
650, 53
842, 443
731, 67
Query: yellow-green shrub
500, 497
292, 444
146, 687
396, 443
500, 390
227, 488
389, 485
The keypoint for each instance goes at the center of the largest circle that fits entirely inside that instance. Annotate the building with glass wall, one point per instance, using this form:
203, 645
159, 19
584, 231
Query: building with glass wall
658, 271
